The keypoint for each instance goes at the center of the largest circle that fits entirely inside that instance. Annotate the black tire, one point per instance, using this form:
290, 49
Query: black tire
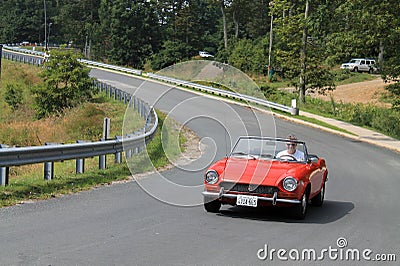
318, 200
371, 71
300, 210
355, 69
212, 206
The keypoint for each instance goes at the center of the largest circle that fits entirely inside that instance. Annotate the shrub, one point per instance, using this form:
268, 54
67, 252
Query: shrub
13, 96
387, 121
67, 84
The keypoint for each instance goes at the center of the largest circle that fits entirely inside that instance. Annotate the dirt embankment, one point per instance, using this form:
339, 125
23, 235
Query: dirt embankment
367, 92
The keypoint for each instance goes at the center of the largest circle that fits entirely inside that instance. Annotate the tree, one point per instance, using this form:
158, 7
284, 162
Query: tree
250, 56
66, 84
172, 52
298, 53
391, 68
132, 31
21, 20
76, 21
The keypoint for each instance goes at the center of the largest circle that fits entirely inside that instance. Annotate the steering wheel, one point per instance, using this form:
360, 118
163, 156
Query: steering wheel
291, 157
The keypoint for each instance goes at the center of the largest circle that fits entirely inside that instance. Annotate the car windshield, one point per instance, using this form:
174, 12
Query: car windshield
353, 61
269, 149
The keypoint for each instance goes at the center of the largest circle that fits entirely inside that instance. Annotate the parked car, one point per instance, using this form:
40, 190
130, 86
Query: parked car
360, 65
255, 175
205, 54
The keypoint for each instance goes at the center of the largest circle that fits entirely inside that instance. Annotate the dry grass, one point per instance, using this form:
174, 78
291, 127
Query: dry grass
20, 128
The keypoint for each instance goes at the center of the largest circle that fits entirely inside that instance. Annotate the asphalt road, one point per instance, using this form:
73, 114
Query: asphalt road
124, 225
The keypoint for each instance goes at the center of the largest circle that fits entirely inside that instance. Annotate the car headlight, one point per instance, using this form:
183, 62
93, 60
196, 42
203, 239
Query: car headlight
211, 177
289, 183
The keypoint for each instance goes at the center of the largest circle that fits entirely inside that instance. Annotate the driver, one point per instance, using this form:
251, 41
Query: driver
291, 149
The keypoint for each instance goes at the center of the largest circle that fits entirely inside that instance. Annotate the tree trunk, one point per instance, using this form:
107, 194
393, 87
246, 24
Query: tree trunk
303, 56
236, 26
270, 43
380, 56
224, 22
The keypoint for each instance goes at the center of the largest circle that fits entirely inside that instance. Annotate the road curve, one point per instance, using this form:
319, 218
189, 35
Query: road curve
123, 225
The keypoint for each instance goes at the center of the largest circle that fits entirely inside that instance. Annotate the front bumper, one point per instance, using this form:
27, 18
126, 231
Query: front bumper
221, 194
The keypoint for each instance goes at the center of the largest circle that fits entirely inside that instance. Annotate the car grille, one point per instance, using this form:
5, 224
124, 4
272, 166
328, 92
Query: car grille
237, 187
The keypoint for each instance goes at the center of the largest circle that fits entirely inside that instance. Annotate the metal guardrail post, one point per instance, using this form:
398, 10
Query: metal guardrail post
106, 128
4, 171
48, 170
102, 162
106, 135
118, 155
127, 98
80, 166
294, 110
49, 166
80, 163
128, 154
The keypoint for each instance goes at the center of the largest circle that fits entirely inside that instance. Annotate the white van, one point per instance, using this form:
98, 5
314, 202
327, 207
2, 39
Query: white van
360, 65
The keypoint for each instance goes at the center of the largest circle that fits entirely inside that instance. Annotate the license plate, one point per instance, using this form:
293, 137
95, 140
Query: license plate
245, 200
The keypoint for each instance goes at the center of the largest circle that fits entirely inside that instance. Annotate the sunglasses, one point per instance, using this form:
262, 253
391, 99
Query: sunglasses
291, 144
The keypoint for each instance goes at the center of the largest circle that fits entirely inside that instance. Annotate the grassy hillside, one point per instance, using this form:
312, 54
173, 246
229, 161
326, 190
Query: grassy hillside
19, 127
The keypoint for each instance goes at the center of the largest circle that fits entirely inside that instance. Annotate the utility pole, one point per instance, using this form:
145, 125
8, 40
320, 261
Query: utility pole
45, 26
270, 41
48, 36
303, 56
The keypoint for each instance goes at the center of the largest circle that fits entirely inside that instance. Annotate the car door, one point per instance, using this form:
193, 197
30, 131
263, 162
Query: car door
363, 65
316, 176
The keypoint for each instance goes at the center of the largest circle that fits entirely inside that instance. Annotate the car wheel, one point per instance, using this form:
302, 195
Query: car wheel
318, 200
355, 69
212, 206
370, 71
300, 210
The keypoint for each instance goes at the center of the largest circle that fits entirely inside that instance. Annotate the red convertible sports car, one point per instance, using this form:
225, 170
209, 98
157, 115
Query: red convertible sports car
263, 171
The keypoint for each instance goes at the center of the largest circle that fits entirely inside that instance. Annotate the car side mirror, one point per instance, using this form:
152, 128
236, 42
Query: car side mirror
312, 158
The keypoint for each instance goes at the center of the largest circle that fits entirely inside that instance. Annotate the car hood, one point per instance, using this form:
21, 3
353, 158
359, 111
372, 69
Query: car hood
260, 172
348, 64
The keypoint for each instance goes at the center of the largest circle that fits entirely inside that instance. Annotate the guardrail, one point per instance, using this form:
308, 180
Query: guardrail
121, 69
19, 55
224, 93
130, 144
293, 110
110, 146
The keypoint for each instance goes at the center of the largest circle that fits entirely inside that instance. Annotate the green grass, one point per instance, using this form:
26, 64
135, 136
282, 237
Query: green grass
19, 127
346, 77
30, 185
323, 124
35, 188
